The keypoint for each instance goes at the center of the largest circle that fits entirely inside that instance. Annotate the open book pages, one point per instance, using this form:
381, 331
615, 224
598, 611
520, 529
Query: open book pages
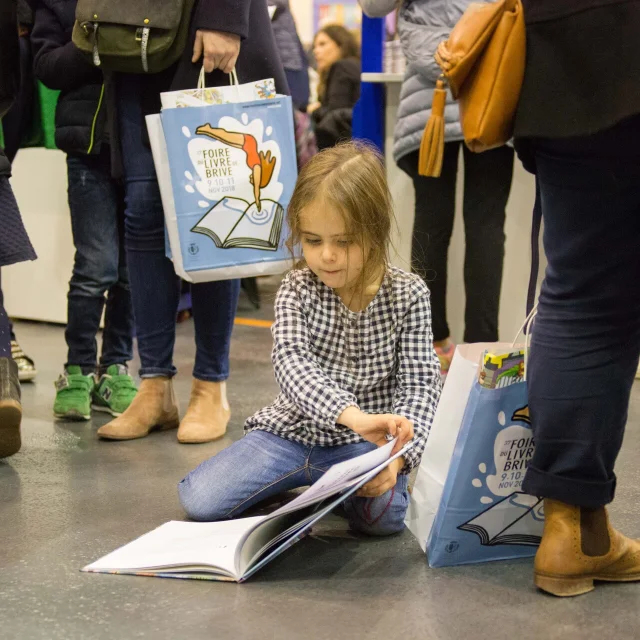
235, 549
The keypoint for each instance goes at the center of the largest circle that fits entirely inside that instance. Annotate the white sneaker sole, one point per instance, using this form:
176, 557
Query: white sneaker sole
72, 416
101, 409
27, 376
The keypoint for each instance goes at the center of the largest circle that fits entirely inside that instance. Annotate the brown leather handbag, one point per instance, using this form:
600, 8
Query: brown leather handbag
482, 63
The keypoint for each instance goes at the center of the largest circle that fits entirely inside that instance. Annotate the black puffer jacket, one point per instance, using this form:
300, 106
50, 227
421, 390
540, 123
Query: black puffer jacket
81, 111
9, 66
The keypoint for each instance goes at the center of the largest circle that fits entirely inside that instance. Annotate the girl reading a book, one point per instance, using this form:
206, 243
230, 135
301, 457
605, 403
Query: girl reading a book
261, 165
353, 356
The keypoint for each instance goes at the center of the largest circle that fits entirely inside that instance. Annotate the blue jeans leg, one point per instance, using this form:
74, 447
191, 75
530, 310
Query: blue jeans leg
262, 465
155, 288
586, 338
154, 284
214, 307
381, 516
258, 466
95, 203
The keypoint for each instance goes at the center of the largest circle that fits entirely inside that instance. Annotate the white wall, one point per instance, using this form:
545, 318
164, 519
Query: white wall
303, 13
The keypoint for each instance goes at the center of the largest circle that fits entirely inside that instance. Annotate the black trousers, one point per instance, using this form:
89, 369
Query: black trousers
586, 338
487, 186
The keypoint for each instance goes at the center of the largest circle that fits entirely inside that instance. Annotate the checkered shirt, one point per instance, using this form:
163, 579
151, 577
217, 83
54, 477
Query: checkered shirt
327, 358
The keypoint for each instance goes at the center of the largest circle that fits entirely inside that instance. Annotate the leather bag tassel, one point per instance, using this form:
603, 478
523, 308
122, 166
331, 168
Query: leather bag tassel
432, 145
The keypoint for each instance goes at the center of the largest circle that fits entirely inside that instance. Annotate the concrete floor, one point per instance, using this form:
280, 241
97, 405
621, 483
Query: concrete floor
67, 499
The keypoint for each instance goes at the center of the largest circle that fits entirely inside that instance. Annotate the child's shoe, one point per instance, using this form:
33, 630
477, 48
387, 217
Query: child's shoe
73, 395
445, 355
26, 366
154, 408
208, 413
114, 391
10, 408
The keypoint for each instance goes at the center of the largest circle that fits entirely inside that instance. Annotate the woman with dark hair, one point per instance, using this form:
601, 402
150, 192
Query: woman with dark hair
337, 55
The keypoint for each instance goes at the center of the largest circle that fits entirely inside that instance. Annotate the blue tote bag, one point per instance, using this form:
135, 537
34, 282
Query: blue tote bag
226, 173
467, 505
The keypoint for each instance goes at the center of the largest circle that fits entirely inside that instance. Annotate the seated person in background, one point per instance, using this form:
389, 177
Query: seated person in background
337, 57
353, 356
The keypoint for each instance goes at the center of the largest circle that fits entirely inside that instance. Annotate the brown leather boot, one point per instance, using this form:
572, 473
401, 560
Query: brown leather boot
154, 408
208, 413
578, 547
10, 408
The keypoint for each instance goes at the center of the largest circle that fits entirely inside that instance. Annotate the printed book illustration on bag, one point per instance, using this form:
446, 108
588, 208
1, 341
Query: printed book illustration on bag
517, 519
234, 222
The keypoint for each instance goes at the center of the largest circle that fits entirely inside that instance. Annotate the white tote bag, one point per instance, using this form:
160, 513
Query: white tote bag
467, 504
218, 225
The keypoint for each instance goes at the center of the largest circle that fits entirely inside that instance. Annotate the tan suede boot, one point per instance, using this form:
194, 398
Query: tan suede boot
579, 546
154, 408
10, 408
208, 413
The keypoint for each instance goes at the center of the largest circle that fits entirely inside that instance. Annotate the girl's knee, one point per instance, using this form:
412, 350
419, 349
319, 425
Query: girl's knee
199, 501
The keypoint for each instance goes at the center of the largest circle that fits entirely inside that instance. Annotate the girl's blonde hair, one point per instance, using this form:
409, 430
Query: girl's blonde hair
350, 178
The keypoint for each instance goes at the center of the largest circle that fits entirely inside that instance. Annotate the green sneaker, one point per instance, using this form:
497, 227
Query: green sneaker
115, 391
73, 395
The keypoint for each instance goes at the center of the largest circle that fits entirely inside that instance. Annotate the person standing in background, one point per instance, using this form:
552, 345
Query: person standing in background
294, 58
337, 56
225, 34
577, 128
15, 245
96, 203
422, 25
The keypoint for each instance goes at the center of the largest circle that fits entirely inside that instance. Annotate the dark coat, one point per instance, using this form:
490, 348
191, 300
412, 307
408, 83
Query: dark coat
342, 90
81, 112
582, 67
333, 120
258, 58
9, 66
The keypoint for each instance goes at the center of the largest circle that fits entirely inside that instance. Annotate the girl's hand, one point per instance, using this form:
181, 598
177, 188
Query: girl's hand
314, 106
375, 427
383, 482
221, 50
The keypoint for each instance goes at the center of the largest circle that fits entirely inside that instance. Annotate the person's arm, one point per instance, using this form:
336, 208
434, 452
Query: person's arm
296, 369
227, 16
377, 8
418, 377
58, 64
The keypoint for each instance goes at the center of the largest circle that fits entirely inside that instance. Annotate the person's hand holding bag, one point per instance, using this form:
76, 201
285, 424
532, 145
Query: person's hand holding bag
218, 49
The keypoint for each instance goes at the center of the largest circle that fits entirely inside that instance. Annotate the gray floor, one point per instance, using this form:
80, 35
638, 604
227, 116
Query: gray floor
66, 499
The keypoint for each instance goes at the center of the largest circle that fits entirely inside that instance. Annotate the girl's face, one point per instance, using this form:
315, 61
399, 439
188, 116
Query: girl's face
326, 51
329, 251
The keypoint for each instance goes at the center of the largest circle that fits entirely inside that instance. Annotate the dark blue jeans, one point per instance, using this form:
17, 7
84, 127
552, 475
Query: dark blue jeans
155, 287
586, 338
96, 202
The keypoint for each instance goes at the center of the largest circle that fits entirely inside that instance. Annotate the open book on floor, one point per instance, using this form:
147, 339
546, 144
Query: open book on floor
233, 550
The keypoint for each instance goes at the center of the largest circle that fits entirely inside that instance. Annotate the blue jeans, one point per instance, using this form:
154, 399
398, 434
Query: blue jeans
155, 288
262, 465
586, 338
96, 202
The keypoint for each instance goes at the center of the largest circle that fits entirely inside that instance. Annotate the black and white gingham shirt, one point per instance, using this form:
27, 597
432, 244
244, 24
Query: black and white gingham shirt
328, 358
